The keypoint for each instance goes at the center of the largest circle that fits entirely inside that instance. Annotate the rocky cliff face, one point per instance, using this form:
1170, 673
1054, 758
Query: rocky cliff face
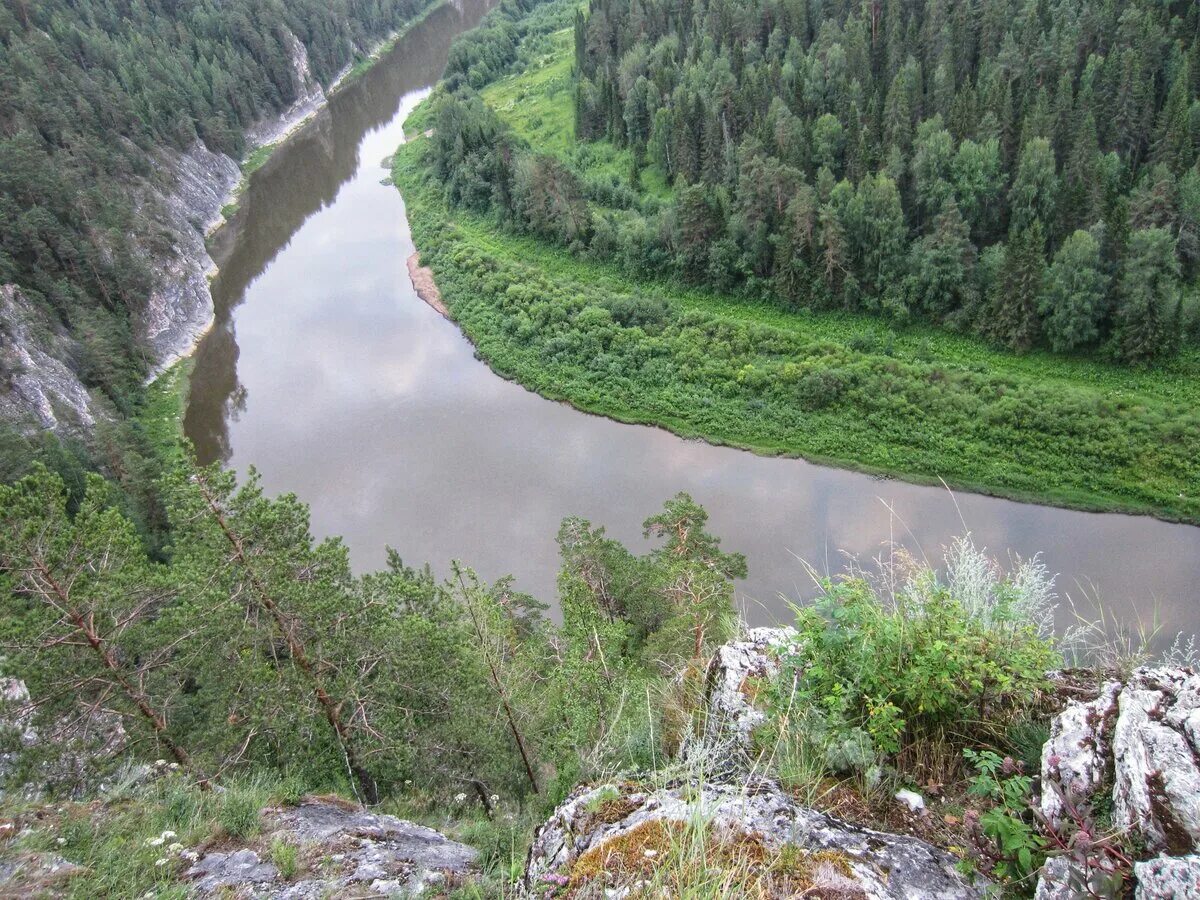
607, 837
1134, 750
180, 203
41, 390
180, 309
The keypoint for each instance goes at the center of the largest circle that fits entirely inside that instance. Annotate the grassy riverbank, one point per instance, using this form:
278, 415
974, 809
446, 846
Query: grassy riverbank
919, 404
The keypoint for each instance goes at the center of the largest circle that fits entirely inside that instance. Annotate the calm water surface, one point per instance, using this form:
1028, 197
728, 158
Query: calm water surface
326, 372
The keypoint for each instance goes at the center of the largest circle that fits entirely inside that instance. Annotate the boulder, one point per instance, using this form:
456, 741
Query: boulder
730, 685
1168, 877
348, 852
1135, 747
847, 860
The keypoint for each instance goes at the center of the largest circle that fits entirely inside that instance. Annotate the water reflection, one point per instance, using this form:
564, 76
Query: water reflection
302, 178
341, 385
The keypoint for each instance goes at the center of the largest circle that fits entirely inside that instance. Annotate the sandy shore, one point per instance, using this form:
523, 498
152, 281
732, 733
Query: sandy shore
427, 290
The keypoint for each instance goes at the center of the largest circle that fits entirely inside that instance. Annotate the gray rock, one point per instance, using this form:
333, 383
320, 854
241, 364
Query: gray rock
731, 716
1157, 789
1139, 743
1077, 759
42, 391
1177, 878
220, 871
881, 865
180, 308
363, 855
385, 841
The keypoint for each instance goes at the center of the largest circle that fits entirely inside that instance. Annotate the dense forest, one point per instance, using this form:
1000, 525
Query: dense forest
1023, 170
91, 89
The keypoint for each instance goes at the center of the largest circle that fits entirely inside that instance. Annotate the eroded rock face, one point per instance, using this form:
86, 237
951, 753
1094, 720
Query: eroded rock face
1137, 746
347, 852
40, 388
730, 686
1177, 878
180, 308
1077, 759
879, 865
1157, 790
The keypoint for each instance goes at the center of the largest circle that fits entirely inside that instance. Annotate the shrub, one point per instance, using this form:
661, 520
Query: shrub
909, 665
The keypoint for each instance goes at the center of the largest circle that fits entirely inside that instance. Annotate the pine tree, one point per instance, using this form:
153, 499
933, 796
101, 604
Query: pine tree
1146, 324
1013, 306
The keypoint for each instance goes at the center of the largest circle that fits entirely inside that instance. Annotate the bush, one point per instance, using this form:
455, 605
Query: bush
911, 668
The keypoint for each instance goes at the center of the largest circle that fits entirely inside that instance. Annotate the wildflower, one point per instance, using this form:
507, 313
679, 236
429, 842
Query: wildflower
60, 841
167, 834
650, 854
176, 847
407, 782
159, 763
459, 798
1053, 760
174, 767
160, 862
1008, 766
495, 798
189, 855
154, 842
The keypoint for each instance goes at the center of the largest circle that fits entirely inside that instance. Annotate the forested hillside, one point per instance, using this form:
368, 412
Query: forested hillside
90, 89
1025, 170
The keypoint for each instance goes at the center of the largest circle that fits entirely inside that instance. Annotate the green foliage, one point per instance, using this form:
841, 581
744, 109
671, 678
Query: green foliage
923, 404
909, 664
848, 184
286, 857
238, 813
1018, 849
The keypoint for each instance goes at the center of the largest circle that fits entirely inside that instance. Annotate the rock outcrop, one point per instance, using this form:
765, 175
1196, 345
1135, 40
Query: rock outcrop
847, 861
41, 390
828, 857
736, 667
1136, 749
343, 851
180, 307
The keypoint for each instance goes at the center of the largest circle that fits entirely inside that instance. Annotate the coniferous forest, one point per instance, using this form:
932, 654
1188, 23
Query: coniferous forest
90, 90
956, 241
1022, 170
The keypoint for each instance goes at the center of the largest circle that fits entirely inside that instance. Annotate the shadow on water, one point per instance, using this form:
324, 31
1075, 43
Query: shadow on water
301, 178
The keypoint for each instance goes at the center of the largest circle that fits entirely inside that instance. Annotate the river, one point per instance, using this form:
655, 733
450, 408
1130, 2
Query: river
326, 372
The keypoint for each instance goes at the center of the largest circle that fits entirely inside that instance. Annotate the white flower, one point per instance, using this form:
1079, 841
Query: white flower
160, 762
168, 834
60, 841
176, 847
407, 782
173, 767
154, 842
495, 798
189, 855
650, 854
459, 798
159, 863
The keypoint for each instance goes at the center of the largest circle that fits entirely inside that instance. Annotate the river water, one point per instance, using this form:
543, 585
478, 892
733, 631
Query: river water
326, 372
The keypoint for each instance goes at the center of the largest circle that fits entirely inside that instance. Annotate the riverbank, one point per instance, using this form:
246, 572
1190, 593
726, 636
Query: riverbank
916, 404
207, 198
